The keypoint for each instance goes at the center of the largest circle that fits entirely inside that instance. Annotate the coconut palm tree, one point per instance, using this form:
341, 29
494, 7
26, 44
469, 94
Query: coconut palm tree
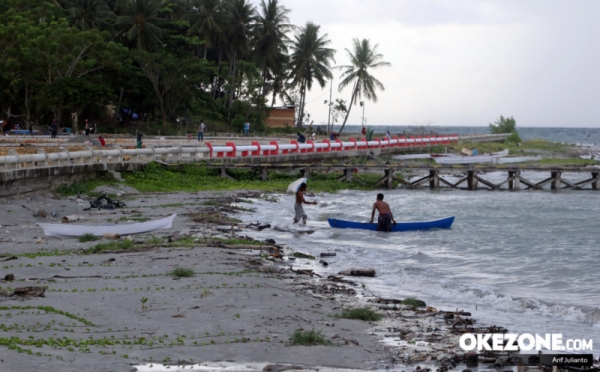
241, 19
89, 14
310, 60
362, 58
208, 19
139, 25
271, 39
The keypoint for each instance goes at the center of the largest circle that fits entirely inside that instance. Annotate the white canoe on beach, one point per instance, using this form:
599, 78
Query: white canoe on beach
477, 159
51, 229
519, 159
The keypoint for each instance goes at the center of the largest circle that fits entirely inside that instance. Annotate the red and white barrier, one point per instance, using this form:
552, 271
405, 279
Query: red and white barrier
275, 148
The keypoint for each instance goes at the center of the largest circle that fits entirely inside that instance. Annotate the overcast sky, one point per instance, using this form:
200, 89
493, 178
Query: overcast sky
466, 62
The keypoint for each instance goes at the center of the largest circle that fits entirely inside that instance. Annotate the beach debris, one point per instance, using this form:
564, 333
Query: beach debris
54, 215
41, 213
324, 263
104, 202
178, 316
10, 258
303, 255
259, 226
109, 235
72, 218
9, 277
358, 272
283, 368
328, 254
25, 292
270, 241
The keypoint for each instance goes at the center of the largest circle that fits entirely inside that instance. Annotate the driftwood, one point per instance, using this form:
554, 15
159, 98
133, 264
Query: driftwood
26, 292
10, 258
338, 279
109, 235
358, 272
304, 272
328, 255
72, 218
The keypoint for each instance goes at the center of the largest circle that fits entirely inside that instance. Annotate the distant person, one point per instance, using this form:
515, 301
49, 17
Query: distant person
201, 129
363, 131
298, 206
139, 140
54, 128
30, 129
87, 127
301, 138
102, 141
369, 134
388, 135
246, 128
385, 219
313, 136
189, 135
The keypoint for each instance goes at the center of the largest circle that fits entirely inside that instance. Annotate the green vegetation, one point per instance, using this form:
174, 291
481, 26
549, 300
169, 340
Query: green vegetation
120, 245
85, 187
87, 238
309, 338
49, 309
527, 148
411, 301
303, 255
155, 178
365, 314
182, 272
506, 125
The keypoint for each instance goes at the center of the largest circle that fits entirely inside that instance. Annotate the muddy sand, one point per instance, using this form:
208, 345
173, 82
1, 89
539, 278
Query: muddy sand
241, 306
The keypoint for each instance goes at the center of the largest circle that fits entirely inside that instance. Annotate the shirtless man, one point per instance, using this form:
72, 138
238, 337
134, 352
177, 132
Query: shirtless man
298, 206
384, 222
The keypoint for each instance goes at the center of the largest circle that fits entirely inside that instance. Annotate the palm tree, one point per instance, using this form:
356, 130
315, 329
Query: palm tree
89, 14
310, 60
271, 39
363, 58
139, 25
242, 15
208, 20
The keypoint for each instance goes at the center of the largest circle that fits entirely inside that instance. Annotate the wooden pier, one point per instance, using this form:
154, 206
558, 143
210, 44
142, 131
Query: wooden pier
435, 176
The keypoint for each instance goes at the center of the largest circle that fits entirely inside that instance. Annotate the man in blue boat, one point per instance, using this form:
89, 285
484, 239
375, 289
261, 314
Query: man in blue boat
299, 211
386, 218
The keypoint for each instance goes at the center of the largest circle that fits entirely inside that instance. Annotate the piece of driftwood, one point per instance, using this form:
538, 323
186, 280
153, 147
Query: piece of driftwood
72, 218
109, 235
358, 272
30, 291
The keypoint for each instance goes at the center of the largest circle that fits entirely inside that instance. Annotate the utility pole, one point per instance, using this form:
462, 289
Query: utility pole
330, 103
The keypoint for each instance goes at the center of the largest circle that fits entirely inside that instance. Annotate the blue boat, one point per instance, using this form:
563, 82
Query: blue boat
444, 223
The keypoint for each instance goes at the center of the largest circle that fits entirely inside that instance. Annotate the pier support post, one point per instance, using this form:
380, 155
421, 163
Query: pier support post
264, 174
555, 184
515, 183
472, 180
595, 183
434, 181
225, 175
388, 179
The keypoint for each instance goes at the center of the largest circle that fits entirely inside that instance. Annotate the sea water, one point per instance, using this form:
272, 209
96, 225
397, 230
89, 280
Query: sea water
528, 260
581, 136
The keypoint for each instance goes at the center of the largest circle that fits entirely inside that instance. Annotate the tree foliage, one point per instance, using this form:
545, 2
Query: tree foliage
503, 125
225, 60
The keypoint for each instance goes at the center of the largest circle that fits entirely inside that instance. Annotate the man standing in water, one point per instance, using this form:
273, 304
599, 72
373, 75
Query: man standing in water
298, 206
384, 222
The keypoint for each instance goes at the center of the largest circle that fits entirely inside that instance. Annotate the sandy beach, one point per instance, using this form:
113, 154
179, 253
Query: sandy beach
241, 306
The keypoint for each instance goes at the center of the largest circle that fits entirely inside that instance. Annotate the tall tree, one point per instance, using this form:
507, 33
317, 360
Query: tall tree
310, 60
242, 16
208, 20
140, 25
362, 58
271, 38
171, 79
89, 14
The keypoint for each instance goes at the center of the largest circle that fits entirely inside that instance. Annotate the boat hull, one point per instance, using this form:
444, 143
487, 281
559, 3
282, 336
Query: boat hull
444, 223
51, 229
521, 159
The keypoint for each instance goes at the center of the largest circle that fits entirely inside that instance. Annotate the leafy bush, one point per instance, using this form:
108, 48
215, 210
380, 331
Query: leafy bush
87, 238
182, 272
309, 338
364, 313
514, 138
411, 301
504, 125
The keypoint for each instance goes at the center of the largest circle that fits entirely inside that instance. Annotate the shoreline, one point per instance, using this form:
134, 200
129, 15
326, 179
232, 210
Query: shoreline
234, 289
